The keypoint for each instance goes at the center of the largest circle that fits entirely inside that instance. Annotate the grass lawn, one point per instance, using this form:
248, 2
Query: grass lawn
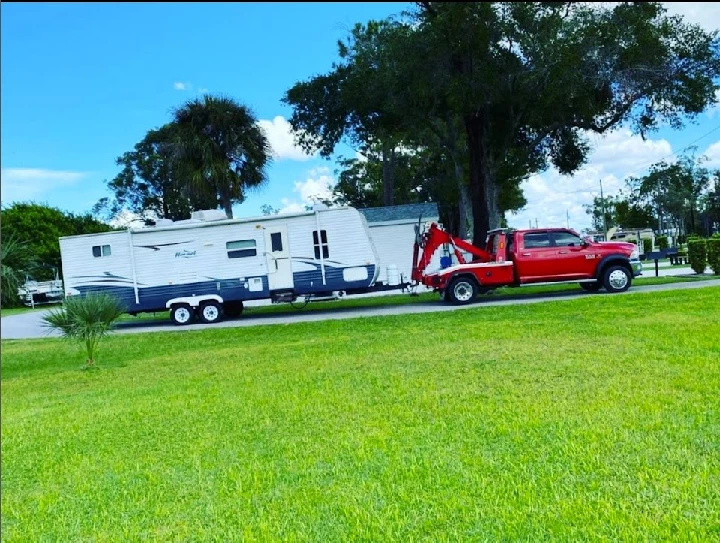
595, 419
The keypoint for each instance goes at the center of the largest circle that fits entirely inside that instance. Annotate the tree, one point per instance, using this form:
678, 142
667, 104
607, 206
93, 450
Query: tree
525, 81
147, 183
675, 191
267, 209
38, 227
532, 77
87, 318
363, 100
219, 149
15, 263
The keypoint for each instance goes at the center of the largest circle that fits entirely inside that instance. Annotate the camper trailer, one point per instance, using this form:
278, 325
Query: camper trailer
208, 266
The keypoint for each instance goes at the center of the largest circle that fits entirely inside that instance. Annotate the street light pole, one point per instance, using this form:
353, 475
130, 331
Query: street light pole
602, 200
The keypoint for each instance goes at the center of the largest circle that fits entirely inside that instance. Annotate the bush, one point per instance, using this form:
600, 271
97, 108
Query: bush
713, 253
87, 319
662, 242
697, 254
647, 245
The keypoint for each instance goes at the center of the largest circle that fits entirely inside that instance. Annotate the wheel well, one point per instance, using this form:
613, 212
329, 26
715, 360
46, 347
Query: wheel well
193, 301
614, 262
470, 277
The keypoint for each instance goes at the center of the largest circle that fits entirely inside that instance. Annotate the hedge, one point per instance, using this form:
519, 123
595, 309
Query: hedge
697, 254
713, 253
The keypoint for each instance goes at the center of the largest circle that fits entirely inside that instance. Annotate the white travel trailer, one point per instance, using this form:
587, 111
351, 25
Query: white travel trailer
208, 266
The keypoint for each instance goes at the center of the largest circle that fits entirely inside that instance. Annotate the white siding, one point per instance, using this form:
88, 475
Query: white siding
79, 264
394, 245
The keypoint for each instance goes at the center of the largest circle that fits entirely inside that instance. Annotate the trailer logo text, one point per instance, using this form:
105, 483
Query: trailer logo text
185, 254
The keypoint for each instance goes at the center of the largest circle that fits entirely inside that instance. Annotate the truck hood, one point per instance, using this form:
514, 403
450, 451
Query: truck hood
621, 246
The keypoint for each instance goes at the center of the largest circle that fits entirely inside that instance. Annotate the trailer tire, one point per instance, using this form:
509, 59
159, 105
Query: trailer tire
461, 291
233, 309
181, 314
210, 312
617, 279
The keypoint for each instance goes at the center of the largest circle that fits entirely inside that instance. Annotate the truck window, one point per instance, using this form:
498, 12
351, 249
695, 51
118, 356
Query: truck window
566, 239
536, 240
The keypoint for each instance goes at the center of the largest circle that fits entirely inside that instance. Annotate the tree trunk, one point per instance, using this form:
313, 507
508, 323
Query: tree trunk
483, 185
388, 159
464, 204
227, 206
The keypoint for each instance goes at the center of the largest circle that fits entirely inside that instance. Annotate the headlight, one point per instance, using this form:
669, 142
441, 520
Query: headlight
635, 255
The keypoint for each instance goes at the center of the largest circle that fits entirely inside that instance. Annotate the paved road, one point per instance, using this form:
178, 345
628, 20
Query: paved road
29, 325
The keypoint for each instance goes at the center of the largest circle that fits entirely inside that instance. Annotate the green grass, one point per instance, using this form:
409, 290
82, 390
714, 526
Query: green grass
8, 311
594, 419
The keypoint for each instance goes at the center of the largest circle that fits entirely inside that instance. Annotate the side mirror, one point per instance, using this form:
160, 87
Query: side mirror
585, 242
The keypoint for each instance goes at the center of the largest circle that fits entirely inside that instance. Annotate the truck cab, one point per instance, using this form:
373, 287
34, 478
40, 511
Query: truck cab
560, 254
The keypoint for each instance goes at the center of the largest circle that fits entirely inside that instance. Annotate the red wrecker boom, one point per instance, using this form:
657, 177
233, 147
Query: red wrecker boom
489, 267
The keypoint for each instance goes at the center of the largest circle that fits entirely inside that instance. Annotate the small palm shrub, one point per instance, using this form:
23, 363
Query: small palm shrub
87, 319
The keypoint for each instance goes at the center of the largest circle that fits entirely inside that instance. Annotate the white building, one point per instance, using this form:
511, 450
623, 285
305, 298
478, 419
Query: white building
392, 231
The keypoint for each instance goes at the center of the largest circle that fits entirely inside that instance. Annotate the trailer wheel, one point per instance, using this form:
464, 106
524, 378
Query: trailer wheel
590, 287
461, 291
233, 309
617, 279
210, 312
181, 314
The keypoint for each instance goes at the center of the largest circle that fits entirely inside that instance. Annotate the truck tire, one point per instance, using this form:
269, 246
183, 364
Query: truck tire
233, 309
182, 314
590, 287
461, 291
617, 279
210, 312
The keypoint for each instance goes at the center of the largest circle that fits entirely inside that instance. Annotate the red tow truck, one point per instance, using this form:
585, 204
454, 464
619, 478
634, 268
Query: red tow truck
520, 257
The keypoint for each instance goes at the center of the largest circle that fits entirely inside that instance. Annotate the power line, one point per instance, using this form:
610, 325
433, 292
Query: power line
676, 152
631, 172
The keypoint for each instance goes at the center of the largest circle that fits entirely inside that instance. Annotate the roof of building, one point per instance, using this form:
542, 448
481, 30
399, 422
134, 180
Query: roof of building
406, 212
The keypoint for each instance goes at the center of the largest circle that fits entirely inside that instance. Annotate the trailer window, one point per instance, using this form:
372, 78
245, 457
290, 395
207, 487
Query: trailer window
320, 243
101, 250
241, 248
276, 242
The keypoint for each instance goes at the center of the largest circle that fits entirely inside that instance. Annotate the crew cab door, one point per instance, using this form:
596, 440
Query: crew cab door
575, 259
534, 256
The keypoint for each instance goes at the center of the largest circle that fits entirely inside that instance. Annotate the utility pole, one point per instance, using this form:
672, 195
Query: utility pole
567, 218
602, 200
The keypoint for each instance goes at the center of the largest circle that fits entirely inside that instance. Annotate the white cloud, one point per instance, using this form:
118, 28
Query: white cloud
318, 186
202, 90
705, 14
179, 85
557, 200
713, 155
280, 135
25, 184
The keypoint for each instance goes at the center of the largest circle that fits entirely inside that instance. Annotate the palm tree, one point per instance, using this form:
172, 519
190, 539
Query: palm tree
87, 319
220, 149
16, 262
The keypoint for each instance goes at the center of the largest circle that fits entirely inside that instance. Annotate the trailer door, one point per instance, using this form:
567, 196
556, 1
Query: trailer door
277, 252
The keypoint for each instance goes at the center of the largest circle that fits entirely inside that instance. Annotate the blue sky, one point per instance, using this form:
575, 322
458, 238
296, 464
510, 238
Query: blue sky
82, 83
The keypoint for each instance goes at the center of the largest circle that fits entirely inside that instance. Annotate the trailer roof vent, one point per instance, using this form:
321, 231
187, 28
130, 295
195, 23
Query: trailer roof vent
206, 215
